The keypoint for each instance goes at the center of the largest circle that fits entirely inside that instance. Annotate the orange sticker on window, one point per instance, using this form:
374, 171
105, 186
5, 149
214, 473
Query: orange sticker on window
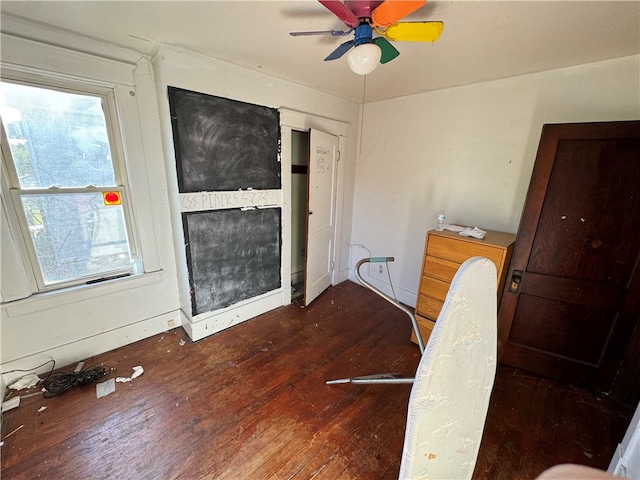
111, 198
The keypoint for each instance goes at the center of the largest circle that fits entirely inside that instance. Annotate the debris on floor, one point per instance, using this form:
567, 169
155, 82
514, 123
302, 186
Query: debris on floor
11, 403
105, 388
61, 382
11, 433
137, 371
27, 381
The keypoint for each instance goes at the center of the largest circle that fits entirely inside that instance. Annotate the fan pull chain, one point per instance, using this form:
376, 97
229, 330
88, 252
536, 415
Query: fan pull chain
364, 90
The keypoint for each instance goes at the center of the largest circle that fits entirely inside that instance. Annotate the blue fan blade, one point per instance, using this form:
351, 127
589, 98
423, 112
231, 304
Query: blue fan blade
340, 51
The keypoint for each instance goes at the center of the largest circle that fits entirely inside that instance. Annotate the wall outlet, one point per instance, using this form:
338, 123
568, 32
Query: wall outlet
378, 271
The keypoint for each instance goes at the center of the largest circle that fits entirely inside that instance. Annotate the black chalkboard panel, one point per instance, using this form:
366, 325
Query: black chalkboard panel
233, 255
223, 144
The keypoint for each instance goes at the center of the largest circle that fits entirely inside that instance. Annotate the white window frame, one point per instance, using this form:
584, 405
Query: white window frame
10, 183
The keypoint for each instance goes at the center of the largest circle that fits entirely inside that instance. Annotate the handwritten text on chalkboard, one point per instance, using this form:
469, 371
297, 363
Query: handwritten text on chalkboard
195, 202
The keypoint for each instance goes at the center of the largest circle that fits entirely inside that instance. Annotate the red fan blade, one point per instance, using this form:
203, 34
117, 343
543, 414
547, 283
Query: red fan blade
393, 10
342, 12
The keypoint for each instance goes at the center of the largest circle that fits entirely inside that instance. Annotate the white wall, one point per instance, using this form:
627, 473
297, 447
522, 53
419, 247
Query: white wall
469, 150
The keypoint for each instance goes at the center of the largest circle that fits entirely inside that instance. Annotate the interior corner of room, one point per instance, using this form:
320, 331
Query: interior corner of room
350, 167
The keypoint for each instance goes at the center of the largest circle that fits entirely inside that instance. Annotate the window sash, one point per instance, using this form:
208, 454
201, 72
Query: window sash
109, 108
94, 235
32, 262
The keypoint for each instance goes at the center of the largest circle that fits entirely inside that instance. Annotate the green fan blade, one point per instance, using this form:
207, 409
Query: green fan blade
388, 51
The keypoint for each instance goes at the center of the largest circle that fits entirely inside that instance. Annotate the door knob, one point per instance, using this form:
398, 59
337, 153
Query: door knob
516, 280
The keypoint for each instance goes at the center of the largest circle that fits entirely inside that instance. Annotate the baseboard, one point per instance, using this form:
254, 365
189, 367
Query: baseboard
89, 347
207, 324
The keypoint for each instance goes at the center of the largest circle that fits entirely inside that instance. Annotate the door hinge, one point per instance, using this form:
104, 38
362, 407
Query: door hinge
338, 155
333, 264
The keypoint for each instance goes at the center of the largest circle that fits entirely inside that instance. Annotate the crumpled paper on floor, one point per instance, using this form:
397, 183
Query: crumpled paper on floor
27, 381
137, 371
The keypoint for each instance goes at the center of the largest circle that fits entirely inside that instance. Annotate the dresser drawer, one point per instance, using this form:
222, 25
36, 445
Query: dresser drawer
440, 268
428, 307
432, 287
460, 251
425, 326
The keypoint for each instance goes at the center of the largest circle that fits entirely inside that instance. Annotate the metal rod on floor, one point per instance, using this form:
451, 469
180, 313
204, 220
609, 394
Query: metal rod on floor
414, 323
389, 378
382, 378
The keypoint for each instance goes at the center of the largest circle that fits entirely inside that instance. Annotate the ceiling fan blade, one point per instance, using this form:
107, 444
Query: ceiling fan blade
340, 51
342, 12
333, 33
414, 31
389, 52
391, 11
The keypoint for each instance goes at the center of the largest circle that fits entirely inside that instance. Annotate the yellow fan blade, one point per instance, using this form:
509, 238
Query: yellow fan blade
414, 31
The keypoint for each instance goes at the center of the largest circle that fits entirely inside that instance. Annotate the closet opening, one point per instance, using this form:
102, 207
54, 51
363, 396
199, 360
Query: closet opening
299, 207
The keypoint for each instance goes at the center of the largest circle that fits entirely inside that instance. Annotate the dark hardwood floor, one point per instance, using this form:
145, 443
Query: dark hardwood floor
251, 403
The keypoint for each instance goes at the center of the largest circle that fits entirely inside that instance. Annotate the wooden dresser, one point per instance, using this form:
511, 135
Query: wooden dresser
444, 252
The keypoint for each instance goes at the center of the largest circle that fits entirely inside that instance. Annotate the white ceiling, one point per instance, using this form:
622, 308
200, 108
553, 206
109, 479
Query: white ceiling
481, 40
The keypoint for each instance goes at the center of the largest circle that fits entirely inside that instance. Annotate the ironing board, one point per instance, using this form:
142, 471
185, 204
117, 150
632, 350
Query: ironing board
450, 395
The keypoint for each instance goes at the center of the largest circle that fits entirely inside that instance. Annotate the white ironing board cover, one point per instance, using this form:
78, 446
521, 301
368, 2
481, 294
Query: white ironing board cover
450, 396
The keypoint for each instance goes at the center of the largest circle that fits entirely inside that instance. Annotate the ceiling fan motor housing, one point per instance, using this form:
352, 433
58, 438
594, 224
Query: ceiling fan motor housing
364, 34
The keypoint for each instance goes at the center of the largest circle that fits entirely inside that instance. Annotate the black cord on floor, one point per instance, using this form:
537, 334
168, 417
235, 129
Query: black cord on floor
34, 368
60, 383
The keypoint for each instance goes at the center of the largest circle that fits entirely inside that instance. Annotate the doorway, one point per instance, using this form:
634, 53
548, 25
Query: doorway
322, 139
314, 157
299, 196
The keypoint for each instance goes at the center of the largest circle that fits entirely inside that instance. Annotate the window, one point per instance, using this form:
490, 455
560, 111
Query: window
66, 182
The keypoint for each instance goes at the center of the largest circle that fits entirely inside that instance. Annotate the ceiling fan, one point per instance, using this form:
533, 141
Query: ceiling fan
382, 17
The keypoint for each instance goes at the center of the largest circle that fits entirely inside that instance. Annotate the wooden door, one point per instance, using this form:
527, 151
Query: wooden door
572, 298
320, 218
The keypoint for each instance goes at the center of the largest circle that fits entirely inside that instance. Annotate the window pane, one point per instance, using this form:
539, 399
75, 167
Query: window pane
56, 138
76, 235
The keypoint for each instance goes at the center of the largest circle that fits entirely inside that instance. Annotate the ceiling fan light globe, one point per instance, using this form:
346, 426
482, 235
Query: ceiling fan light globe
364, 58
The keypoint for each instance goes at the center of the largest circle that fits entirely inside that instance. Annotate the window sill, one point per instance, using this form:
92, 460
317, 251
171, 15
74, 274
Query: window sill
49, 300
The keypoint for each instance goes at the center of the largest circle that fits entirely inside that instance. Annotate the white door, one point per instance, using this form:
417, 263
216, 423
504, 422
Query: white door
323, 157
